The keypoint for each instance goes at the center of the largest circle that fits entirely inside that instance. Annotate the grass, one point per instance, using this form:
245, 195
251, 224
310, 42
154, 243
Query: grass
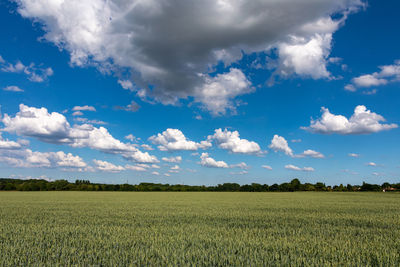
252, 229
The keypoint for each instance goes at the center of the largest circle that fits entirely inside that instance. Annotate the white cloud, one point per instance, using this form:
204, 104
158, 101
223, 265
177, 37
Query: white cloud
126, 84
350, 171
310, 153
140, 156
146, 147
387, 74
14, 68
7, 144
350, 87
174, 140
13, 88
335, 60
176, 159
135, 168
85, 120
368, 80
363, 121
141, 167
170, 48
278, 143
239, 173
266, 167
132, 107
77, 113
296, 140
54, 128
175, 167
98, 138
305, 56
217, 93
155, 173
232, 142
207, 161
106, 166
295, 168
167, 174
23, 142
354, 155
370, 92
26, 158
372, 164
84, 108
69, 160
38, 123
130, 137
241, 165
34, 73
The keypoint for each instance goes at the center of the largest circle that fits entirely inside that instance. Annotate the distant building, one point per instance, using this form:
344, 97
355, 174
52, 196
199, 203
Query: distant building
389, 189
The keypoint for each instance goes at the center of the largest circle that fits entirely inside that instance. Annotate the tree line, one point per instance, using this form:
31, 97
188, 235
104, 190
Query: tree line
85, 185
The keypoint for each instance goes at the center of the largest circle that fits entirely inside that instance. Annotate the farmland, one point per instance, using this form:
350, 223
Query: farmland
202, 228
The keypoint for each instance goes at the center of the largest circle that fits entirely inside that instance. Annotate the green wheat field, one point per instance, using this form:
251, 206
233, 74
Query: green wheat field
202, 229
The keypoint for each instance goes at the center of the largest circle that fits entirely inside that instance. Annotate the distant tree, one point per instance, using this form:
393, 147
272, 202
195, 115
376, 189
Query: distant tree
228, 187
320, 186
9, 186
61, 184
295, 185
85, 185
246, 188
257, 187
309, 187
339, 188
79, 182
274, 187
285, 187
370, 187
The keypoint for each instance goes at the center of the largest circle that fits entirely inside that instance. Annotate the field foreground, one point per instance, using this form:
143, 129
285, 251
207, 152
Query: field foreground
115, 228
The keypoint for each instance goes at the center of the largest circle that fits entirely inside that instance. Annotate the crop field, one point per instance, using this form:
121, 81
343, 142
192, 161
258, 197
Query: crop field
158, 229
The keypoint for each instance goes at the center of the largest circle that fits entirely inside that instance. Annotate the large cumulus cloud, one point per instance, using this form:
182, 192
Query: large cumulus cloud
170, 48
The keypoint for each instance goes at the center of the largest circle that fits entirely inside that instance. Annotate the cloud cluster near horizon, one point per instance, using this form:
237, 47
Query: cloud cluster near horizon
54, 128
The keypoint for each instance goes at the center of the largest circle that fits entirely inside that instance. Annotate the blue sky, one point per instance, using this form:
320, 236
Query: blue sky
158, 91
